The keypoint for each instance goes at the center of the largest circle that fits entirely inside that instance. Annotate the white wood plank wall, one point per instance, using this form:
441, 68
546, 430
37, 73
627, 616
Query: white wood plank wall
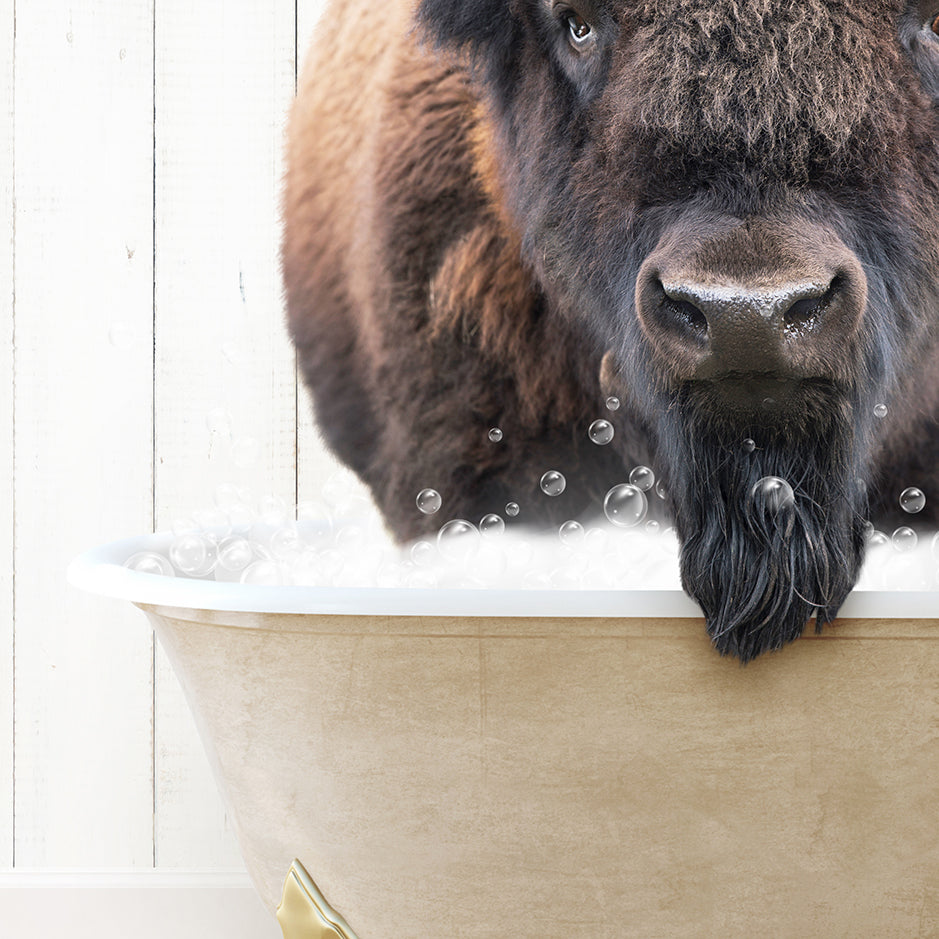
143, 363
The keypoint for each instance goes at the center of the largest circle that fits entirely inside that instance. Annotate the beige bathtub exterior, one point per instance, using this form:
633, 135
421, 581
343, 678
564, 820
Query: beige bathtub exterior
457, 777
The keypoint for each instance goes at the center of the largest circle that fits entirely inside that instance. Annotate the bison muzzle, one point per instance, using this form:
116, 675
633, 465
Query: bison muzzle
724, 212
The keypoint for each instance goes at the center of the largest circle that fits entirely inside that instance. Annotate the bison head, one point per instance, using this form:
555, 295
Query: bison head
737, 202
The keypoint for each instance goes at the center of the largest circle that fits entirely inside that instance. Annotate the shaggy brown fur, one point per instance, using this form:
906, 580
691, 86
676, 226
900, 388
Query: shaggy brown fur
472, 202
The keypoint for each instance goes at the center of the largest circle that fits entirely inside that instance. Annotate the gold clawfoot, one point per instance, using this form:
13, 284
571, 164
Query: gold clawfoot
304, 913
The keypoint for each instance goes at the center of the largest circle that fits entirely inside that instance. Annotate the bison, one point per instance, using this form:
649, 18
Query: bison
723, 212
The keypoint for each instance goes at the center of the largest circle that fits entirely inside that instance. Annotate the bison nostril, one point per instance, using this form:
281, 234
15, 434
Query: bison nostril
688, 314
806, 310
681, 312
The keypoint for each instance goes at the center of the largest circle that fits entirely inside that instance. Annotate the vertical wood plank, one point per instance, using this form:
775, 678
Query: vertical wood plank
6, 433
83, 435
225, 379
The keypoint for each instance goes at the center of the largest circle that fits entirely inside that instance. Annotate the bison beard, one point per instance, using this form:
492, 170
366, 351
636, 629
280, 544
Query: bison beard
759, 574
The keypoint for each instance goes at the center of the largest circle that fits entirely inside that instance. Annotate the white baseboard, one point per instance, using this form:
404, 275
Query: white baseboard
142, 904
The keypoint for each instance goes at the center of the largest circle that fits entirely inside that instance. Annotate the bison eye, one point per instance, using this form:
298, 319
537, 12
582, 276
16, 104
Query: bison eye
580, 30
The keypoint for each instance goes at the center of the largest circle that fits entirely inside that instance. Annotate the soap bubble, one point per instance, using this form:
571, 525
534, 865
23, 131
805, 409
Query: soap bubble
273, 510
314, 520
600, 432
235, 554
305, 568
495, 434
512, 509
904, 539
571, 533
660, 489
214, 523
429, 501
150, 562
286, 543
423, 553
264, 573
625, 505
876, 539
491, 524
612, 403
642, 478
458, 540
193, 554
553, 483
748, 446
880, 410
652, 526
772, 494
912, 500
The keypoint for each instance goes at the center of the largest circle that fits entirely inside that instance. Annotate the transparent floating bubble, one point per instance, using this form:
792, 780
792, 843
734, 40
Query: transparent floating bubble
458, 540
597, 540
245, 452
625, 505
600, 432
429, 501
912, 500
150, 562
572, 533
772, 494
241, 516
351, 538
218, 421
876, 539
235, 554
748, 446
612, 403
660, 489
305, 569
423, 553
273, 510
512, 509
286, 543
491, 524
553, 483
420, 579
265, 573
880, 410
315, 522
193, 554
213, 522
652, 526
642, 478
331, 565
495, 434
904, 539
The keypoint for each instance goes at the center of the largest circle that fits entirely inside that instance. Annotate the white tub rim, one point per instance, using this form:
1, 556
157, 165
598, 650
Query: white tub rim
100, 570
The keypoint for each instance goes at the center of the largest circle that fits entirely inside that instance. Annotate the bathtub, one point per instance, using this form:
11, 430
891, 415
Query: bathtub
460, 764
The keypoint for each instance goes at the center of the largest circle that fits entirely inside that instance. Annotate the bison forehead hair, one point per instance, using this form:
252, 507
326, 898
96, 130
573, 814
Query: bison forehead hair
498, 212
778, 79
